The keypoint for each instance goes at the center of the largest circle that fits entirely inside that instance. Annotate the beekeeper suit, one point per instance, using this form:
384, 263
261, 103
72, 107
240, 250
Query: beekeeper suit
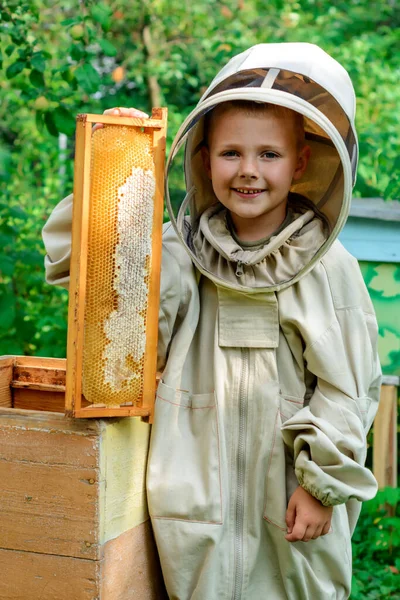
270, 369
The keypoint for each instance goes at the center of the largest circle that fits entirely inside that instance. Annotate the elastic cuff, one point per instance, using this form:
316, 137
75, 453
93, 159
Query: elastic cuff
325, 499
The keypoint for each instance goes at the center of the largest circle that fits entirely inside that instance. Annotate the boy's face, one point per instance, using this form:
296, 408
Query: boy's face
252, 161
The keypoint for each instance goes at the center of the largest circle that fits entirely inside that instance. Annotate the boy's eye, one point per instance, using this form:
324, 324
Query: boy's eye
269, 154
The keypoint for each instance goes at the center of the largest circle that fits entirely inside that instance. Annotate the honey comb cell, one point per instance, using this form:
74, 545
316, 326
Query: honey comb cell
118, 265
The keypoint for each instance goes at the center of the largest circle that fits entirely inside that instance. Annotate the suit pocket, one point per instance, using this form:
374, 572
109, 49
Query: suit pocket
364, 405
275, 481
281, 480
183, 478
289, 406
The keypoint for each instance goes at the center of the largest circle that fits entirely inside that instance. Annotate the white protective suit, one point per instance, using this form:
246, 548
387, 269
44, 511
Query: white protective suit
271, 376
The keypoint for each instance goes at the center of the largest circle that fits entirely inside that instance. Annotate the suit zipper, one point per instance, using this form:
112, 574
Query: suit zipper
239, 268
240, 476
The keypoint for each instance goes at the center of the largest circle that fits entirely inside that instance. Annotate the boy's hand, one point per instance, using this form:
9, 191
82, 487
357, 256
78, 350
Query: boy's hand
306, 517
122, 112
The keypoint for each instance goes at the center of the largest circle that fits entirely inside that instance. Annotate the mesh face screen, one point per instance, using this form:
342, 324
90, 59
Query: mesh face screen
119, 262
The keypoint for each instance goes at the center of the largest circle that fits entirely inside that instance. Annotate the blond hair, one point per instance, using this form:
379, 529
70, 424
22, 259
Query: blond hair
251, 108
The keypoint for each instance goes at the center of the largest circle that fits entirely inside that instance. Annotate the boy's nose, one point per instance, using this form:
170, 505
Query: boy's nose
248, 168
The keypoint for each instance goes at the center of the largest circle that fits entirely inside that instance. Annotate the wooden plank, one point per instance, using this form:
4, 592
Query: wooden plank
31, 576
391, 380
44, 375
100, 413
370, 240
150, 361
47, 421
78, 269
375, 208
27, 440
155, 122
131, 568
385, 438
39, 400
6, 374
40, 361
49, 509
43, 387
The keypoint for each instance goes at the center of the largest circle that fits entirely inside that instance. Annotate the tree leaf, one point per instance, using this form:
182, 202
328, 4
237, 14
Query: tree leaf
7, 309
17, 36
392, 495
72, 21
6, 240
64, 120
12, 346
88, 78
108, 48
30, 258
38, 61
101, 13
10, 49
392, 190
39, 120
5, 16
7, 266
17, 212
77, 51
51, 126
15, 69
36, 78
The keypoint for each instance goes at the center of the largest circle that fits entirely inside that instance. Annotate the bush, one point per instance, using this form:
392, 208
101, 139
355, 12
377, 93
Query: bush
376, 548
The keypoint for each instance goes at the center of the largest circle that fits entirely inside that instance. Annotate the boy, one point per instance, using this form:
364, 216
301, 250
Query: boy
267, 340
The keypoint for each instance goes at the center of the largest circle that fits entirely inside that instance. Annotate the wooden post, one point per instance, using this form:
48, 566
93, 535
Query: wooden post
385, 437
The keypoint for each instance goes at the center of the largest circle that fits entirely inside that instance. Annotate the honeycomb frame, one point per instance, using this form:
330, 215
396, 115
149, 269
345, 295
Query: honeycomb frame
84, 396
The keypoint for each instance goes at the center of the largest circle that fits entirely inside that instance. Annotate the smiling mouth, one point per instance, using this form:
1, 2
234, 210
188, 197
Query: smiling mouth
248, 191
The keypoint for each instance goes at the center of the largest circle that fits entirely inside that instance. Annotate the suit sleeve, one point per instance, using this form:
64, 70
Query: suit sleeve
170, 304
328, 435
57, 240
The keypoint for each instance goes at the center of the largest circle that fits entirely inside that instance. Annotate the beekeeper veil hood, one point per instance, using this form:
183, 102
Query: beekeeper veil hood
303, 78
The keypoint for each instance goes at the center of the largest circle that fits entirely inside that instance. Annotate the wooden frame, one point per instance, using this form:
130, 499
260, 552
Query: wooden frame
74, 400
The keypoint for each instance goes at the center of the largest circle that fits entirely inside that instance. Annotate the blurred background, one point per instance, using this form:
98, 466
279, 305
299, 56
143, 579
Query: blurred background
57, 61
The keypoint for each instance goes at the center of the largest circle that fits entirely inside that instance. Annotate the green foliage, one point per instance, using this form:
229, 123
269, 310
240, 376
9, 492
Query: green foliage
33, 315
58, 60
376, 548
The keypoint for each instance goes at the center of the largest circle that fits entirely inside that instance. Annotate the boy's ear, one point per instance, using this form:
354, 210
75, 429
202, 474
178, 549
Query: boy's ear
302, 162
205, 155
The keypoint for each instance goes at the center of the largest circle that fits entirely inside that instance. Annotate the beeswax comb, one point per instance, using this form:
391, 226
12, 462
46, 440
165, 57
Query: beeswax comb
115, 266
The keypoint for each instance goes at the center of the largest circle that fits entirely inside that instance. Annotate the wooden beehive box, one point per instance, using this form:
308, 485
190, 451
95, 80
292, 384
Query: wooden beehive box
73, 516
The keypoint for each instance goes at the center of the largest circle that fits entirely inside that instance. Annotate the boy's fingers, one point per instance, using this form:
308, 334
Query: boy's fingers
309, 534
126, 112
326, 528
121, 112
290, 518
297, 533
317, 532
